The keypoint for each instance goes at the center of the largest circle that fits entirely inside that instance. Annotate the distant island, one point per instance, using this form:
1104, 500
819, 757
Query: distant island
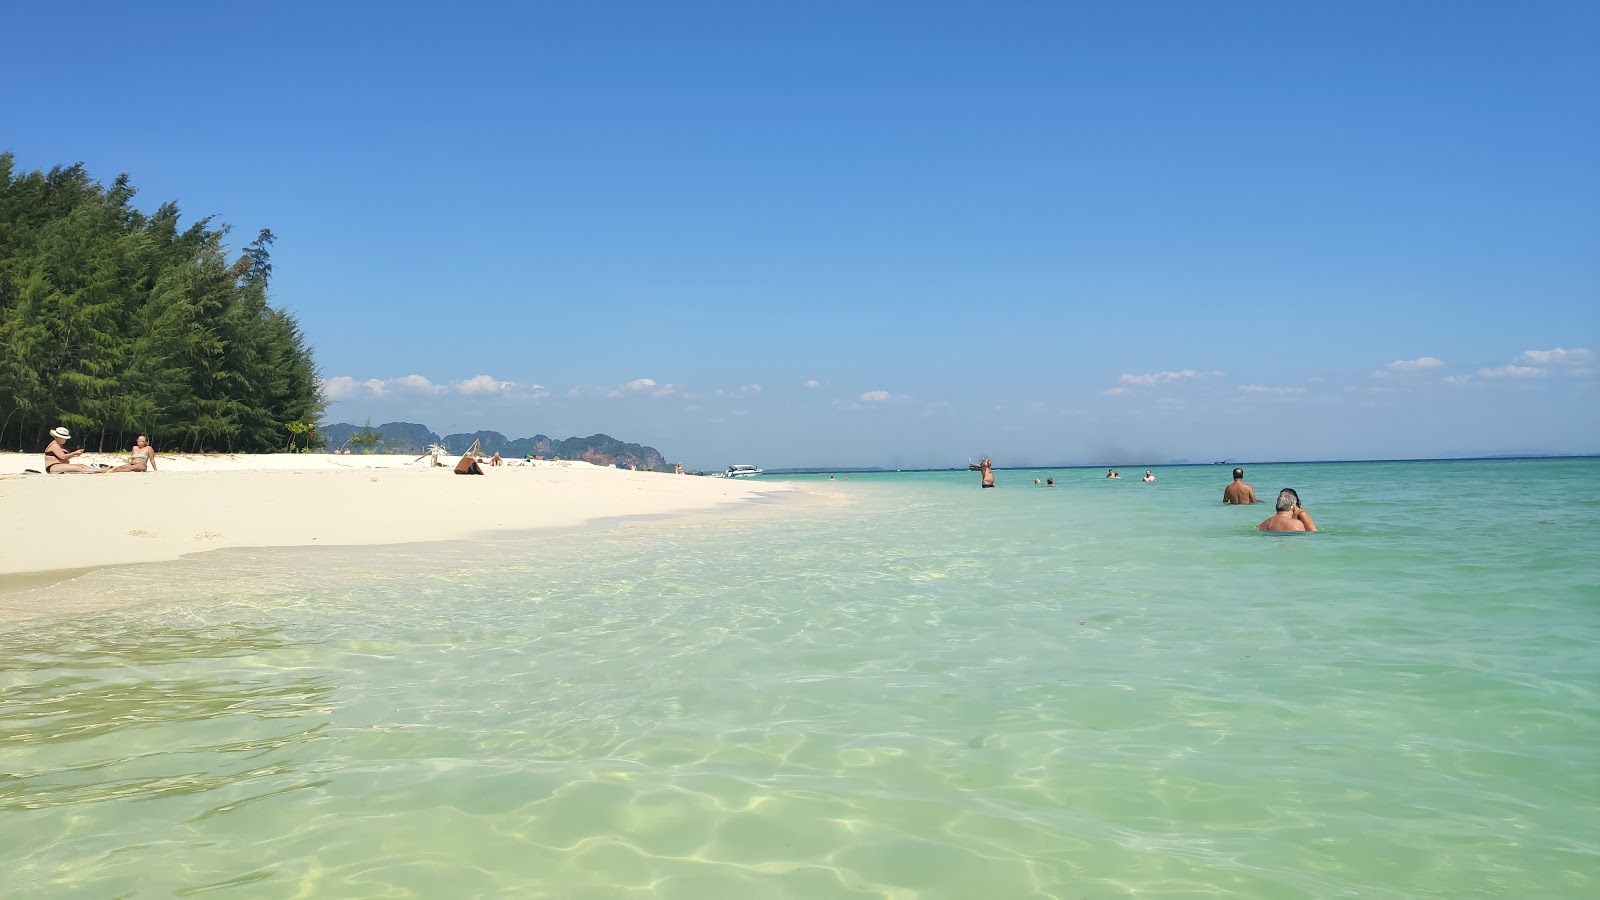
410, 437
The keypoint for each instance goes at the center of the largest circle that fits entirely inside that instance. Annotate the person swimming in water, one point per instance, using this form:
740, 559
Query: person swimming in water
1289, 517
1149, 475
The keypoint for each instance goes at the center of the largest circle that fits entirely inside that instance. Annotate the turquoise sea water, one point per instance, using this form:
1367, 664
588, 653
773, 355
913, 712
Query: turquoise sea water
1104, 689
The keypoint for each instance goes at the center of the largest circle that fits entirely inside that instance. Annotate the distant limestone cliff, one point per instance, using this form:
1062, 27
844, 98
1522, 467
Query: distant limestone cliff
409, 437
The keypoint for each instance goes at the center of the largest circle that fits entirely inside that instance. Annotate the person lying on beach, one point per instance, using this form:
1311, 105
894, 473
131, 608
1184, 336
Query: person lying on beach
1238, 492
143, 458
58, 459
1289, 517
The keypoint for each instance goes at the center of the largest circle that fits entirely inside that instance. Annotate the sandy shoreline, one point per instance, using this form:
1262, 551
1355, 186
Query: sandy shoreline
69, 523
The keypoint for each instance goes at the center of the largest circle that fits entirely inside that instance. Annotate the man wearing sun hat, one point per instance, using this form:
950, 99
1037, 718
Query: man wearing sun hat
58, 459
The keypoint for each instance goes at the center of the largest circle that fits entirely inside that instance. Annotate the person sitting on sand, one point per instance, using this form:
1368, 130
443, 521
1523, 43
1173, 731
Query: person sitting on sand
143, 458
58, 459
1149, 476
1290, 517
1238, 492
495, 459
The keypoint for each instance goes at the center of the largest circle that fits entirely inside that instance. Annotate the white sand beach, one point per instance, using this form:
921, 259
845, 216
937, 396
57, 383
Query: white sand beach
60, 523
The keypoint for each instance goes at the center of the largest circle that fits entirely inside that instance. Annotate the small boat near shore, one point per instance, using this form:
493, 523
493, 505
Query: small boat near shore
742, 472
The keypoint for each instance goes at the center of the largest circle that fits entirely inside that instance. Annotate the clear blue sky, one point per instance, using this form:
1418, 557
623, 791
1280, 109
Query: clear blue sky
887, 233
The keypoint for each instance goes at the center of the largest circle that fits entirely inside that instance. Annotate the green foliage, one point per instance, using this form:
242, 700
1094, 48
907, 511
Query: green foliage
299, 431
114, 323
367, 440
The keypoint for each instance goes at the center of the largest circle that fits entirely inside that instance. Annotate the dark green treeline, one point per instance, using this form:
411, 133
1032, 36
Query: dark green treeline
114, 323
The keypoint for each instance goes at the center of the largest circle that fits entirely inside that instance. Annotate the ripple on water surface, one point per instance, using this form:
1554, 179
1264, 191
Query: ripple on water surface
1097, 690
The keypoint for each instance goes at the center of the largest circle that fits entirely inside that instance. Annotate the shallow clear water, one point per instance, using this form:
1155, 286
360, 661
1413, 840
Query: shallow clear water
1105, 689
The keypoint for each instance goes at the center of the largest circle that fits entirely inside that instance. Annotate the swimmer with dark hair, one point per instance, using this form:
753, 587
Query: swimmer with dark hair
1289, 517
1238, 492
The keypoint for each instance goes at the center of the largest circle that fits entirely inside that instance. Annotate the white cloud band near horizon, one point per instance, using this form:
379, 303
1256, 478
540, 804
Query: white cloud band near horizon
1421, 362
1167, 377
1514, 371
1560, 356
344, 387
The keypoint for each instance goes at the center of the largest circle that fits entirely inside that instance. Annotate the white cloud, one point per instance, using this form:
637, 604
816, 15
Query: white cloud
1263, 389
484, 384
343, 387
415, 383
813, 383
1421, 362
335, 389
1457, 379
875, 396
1165, 377
1513, 372
1560, 356
1114, 392
750, 389
646, 386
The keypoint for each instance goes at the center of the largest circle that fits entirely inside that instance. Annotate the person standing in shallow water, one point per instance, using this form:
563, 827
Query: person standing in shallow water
1289, 517
1238, 492
987, 468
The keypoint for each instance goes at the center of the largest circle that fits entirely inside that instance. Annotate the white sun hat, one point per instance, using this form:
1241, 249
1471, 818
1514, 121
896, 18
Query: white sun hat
61, 432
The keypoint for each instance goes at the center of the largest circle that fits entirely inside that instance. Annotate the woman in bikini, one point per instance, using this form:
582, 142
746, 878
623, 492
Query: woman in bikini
58, 459
144, 457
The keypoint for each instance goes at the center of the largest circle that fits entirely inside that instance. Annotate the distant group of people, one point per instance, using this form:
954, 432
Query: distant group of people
58, 460
1290, 516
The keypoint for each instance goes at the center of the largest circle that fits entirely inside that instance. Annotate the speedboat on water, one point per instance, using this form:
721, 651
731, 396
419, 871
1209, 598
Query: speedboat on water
742, 472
